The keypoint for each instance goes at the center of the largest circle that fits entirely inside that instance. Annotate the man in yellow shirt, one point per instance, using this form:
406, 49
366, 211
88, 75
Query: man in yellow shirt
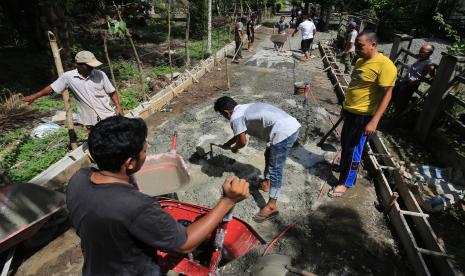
367, 97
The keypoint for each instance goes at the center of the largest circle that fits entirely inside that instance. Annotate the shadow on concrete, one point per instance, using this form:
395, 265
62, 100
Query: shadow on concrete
257, 196
215, 165
333, 240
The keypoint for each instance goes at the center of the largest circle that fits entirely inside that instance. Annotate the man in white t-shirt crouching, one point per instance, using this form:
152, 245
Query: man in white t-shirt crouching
308, 31
269, 124
91, 88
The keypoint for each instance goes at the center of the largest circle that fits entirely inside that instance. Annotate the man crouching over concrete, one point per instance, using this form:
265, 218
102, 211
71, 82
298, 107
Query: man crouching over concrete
121, 228
269, 124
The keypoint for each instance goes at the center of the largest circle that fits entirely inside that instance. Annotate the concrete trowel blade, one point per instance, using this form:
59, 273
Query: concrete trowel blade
271, 265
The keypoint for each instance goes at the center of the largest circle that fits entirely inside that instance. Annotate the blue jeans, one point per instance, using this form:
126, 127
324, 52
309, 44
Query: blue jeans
275, 159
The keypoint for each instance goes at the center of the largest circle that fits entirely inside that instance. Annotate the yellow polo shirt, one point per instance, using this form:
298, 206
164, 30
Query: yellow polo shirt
368, 80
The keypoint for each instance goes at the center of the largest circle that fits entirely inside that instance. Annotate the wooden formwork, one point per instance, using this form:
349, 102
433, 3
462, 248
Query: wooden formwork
424, 251
420, 242
337, 77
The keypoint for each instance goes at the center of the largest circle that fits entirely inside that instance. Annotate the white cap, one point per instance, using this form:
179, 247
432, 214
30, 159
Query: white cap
87, 58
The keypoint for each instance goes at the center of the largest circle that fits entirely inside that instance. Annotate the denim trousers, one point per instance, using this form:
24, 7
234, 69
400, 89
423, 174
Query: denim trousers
275, 159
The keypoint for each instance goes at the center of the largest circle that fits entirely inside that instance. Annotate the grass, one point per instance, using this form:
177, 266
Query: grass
31, 156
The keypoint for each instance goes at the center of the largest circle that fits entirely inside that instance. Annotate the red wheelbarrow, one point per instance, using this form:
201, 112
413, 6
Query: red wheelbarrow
24, 209
239, 238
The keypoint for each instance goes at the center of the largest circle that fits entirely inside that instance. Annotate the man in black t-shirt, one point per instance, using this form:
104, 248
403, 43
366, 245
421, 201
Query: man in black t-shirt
121, 228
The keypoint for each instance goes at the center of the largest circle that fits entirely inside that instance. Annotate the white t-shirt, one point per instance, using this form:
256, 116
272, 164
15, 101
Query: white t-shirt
351, 38
91, 94
307, 28
263, 121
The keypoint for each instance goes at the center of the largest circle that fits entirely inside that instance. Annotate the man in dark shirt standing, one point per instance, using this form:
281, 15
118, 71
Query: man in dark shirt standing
121, 228
251, 32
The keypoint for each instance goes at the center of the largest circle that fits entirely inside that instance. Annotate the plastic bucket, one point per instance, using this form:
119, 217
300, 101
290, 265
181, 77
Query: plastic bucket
162, 173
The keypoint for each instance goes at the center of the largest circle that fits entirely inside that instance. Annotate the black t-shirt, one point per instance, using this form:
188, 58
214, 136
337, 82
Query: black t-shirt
250, 27
120, 228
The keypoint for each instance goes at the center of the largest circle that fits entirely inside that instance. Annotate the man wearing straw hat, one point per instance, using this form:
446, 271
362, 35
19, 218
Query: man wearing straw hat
91, 87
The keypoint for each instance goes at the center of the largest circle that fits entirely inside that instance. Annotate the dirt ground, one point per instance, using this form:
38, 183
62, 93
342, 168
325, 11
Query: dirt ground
345, 236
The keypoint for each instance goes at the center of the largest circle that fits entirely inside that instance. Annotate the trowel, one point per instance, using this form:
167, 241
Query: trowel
201, 153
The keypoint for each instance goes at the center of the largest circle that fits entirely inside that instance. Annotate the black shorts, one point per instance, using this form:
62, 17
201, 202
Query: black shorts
306, 43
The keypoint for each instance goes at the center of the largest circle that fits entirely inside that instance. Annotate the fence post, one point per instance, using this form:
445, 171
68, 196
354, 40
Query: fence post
435, 97
399, 41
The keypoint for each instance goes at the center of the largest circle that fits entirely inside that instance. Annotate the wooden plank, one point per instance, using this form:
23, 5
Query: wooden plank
423, 227
415, 214
400, 225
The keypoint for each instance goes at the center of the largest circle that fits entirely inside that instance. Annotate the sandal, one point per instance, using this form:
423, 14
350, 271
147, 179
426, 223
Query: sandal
261, 218
334, 194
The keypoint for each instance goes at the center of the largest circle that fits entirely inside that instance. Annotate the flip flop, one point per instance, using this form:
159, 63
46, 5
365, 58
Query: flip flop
261, 218
334, 194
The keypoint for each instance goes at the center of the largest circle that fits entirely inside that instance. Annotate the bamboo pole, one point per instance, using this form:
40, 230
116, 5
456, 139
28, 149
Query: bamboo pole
107, 56
65, 94
188, 27
209, 28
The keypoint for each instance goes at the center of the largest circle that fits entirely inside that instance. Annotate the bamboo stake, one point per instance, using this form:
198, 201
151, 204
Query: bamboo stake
227, 69
107, 56
65, 94
209, 28
188, 26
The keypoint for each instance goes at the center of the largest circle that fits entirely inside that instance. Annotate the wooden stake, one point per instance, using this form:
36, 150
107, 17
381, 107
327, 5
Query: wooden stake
227, 69
136, 55
188, 26
65, 94
107, 56
392, 202
169, 39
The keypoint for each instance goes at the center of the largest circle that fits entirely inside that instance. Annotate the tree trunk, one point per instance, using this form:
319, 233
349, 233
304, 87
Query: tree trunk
107, 56
136, 55
186, 42
169, 38
209, 28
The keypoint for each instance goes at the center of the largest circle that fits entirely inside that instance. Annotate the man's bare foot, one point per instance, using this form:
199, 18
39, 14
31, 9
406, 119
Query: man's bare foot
337, 191
265, 185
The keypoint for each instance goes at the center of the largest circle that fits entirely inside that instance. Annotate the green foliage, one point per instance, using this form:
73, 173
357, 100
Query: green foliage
125, 71
16, 135
33, 155
117, 28
458, 45
53, 103
198, 25
130, 97
160, 71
